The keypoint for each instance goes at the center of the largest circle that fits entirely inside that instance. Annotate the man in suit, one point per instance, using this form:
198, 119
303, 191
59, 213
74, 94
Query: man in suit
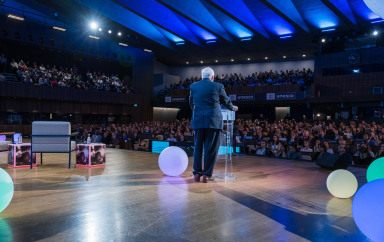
207, 121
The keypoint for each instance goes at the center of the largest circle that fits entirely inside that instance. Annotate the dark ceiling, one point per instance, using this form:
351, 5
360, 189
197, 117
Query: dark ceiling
181, 31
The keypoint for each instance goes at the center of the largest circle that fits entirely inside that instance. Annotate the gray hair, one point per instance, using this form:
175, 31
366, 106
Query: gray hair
207, 72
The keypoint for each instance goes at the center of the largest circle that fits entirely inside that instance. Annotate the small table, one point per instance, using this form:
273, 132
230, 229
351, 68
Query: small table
90, 155
19, 155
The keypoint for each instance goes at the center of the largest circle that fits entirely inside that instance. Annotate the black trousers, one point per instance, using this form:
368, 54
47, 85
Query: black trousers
207, 142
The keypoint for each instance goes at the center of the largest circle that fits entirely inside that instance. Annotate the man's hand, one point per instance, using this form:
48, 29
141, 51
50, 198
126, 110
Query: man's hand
235, 108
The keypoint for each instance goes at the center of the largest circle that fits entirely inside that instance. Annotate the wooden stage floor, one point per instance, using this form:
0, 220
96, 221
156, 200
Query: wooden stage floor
130, 200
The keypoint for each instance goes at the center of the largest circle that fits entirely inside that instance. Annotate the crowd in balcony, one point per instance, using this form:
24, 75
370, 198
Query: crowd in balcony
357, 142
53, 76
303, 78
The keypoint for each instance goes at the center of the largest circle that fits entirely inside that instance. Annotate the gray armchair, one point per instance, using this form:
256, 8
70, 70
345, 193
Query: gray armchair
51, 137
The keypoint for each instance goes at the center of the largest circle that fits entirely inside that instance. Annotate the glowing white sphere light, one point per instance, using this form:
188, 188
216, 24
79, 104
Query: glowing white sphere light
173, 161
342, 183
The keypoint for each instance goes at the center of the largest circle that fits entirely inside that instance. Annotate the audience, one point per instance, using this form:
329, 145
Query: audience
302, 78
45, 75
288, 139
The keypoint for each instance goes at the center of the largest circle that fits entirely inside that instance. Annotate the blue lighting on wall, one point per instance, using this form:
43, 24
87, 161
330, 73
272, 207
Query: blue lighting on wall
195, 10
377, 6
270, 20
345, 8
316, 13
163, 16
288, 8
241, 11
362, 10
229, 24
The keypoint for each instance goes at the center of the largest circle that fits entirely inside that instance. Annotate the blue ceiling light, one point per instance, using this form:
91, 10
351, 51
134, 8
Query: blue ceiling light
288, 8
239, 10
210, 41
197, 30
270, 20
377, 21
344, 7
169, 35
196, 11
246, 39
328, 30
362, 10
317, 14
376, 6
161, 15
120, 15
286, 36
180, 43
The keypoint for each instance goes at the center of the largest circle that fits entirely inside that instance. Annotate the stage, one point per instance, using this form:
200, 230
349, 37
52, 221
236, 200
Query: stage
131, 200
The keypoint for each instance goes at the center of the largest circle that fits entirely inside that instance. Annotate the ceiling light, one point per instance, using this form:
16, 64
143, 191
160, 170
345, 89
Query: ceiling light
180, 43
210, 41
248, 59
232, 60
201, 62
58, 28
187, 62
216, 61
266, 58
328, 30
93, 25
246, 39
376, 21
356, 71
147, 50
304, 55
284, 57
285, 36
323, 40
123, 44
100, 29
12, 16
375, 33
119, 33
93, 37
109, 31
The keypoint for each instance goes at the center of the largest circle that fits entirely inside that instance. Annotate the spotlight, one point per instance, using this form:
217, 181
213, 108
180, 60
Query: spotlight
248, 59
375, 33
201, 62
284, 57
304, 55
187, 62
210, 41
100, 29
12, 16
356, 71
323, 40
266, 58
318, 115
59, 28
119, 33
232, 60
93, 25
216, 61
109, 31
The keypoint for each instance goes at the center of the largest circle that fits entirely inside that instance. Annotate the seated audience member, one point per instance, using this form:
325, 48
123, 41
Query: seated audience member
380, 152
364, 154
262, 149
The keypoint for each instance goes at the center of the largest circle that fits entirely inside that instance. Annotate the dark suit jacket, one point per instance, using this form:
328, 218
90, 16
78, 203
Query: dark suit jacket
205, 98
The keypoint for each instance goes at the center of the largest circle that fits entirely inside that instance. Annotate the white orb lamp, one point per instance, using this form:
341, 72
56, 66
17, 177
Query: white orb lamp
173, 161
342, 183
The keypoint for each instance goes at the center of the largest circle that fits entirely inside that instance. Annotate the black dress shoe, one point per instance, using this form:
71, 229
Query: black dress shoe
196, 178
205, 179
